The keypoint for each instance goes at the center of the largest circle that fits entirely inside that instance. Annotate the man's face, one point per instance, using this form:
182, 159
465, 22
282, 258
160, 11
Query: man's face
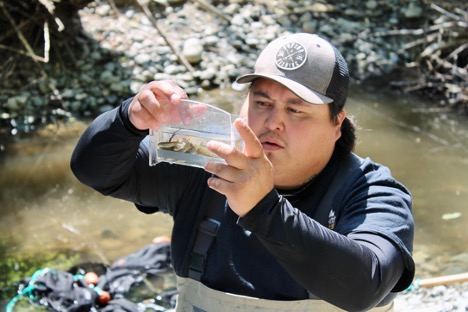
298, 137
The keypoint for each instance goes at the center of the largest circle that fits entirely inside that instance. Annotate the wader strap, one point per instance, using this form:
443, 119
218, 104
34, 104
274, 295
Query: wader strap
207, 229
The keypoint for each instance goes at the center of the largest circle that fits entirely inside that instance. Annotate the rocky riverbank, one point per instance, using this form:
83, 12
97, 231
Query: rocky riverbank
439, 298
202, 46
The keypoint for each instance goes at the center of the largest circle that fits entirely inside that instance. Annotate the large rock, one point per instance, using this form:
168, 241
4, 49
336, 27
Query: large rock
193, 50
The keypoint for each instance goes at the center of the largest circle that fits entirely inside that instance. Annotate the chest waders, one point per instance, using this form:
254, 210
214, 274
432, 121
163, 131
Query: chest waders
196, 297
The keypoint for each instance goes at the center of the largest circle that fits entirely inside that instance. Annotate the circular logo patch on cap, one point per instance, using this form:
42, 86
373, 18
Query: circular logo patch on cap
291, 56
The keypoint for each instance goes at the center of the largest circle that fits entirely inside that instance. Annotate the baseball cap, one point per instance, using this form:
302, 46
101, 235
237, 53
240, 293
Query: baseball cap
308, 65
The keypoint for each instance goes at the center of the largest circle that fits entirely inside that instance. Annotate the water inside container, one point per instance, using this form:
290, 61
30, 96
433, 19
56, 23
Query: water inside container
185, 142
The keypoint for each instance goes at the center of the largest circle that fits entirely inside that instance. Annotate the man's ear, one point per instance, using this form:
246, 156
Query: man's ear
338, 122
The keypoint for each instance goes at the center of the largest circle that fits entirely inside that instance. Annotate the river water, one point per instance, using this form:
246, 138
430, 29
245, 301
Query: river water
49, 217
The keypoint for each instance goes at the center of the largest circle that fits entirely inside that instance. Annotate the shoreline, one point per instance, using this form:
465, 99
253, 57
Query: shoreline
119, 48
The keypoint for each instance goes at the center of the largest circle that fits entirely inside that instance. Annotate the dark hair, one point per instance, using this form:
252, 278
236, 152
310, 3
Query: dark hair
347, 142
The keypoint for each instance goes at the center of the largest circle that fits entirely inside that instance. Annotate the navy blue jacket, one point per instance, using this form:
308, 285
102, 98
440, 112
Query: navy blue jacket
355, 259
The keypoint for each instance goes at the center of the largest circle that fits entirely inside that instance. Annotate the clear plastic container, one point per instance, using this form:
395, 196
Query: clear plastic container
185, 142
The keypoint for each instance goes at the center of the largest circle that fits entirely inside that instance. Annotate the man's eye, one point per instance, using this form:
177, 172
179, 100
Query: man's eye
295, 111
261, 103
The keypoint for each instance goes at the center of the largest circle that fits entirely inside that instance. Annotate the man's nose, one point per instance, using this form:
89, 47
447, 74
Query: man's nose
275, 120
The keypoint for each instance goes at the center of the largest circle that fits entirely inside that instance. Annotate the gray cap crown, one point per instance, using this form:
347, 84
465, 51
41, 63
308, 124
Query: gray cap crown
307, 65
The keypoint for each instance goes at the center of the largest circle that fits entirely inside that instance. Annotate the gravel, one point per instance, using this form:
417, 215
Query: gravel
122, 50
434, 299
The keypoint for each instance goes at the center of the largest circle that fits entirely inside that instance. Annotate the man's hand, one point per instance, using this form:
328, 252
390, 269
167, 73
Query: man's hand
157, 104
248, 175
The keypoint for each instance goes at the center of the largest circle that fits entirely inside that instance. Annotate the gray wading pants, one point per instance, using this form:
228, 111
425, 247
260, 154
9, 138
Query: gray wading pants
196, 297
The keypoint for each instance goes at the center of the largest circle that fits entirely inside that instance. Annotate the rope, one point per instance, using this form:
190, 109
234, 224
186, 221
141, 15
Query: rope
27, 291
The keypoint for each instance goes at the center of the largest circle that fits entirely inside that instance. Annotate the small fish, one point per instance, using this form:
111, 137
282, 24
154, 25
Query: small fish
185, 146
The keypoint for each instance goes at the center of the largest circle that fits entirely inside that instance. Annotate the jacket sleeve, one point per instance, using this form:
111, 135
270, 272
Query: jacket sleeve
106, 151
111, 157
354, 270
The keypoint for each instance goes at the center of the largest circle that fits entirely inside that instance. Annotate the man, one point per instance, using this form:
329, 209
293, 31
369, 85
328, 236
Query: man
295, 221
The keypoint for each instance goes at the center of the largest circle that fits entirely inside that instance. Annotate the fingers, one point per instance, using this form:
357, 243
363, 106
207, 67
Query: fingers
140, 117
252, 146
167, 90
232, 155
244, 180
227, 180
235, 158
246, 177
155, 105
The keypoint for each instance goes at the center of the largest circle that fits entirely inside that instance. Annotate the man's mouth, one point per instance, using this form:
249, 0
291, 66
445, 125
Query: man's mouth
270, 144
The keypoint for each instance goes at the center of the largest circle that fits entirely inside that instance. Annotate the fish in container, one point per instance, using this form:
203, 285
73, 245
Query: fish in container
185, 142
